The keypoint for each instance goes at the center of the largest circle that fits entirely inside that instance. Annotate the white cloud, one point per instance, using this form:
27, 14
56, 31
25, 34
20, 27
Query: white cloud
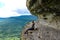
10, 5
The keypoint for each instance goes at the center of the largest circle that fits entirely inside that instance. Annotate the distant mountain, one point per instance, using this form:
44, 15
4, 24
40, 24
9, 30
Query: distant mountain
12, 26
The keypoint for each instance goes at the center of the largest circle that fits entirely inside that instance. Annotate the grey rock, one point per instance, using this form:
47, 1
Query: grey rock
48, 23
45, 6
44, 32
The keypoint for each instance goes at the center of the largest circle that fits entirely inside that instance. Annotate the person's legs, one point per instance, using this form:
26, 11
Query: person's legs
26, 32
31, 29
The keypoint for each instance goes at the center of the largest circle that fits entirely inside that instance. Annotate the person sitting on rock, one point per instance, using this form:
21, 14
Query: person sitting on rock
32, 28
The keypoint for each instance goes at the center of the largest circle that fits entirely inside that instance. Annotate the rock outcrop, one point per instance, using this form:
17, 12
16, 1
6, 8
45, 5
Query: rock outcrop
38, 7
48, 23
43, 32
47, 10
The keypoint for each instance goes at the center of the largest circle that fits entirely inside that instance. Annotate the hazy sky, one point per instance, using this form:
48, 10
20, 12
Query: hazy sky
10, 8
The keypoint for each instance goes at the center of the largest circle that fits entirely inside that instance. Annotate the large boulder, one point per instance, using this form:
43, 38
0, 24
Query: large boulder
47, 10
48, 25
43, 32
44, 7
